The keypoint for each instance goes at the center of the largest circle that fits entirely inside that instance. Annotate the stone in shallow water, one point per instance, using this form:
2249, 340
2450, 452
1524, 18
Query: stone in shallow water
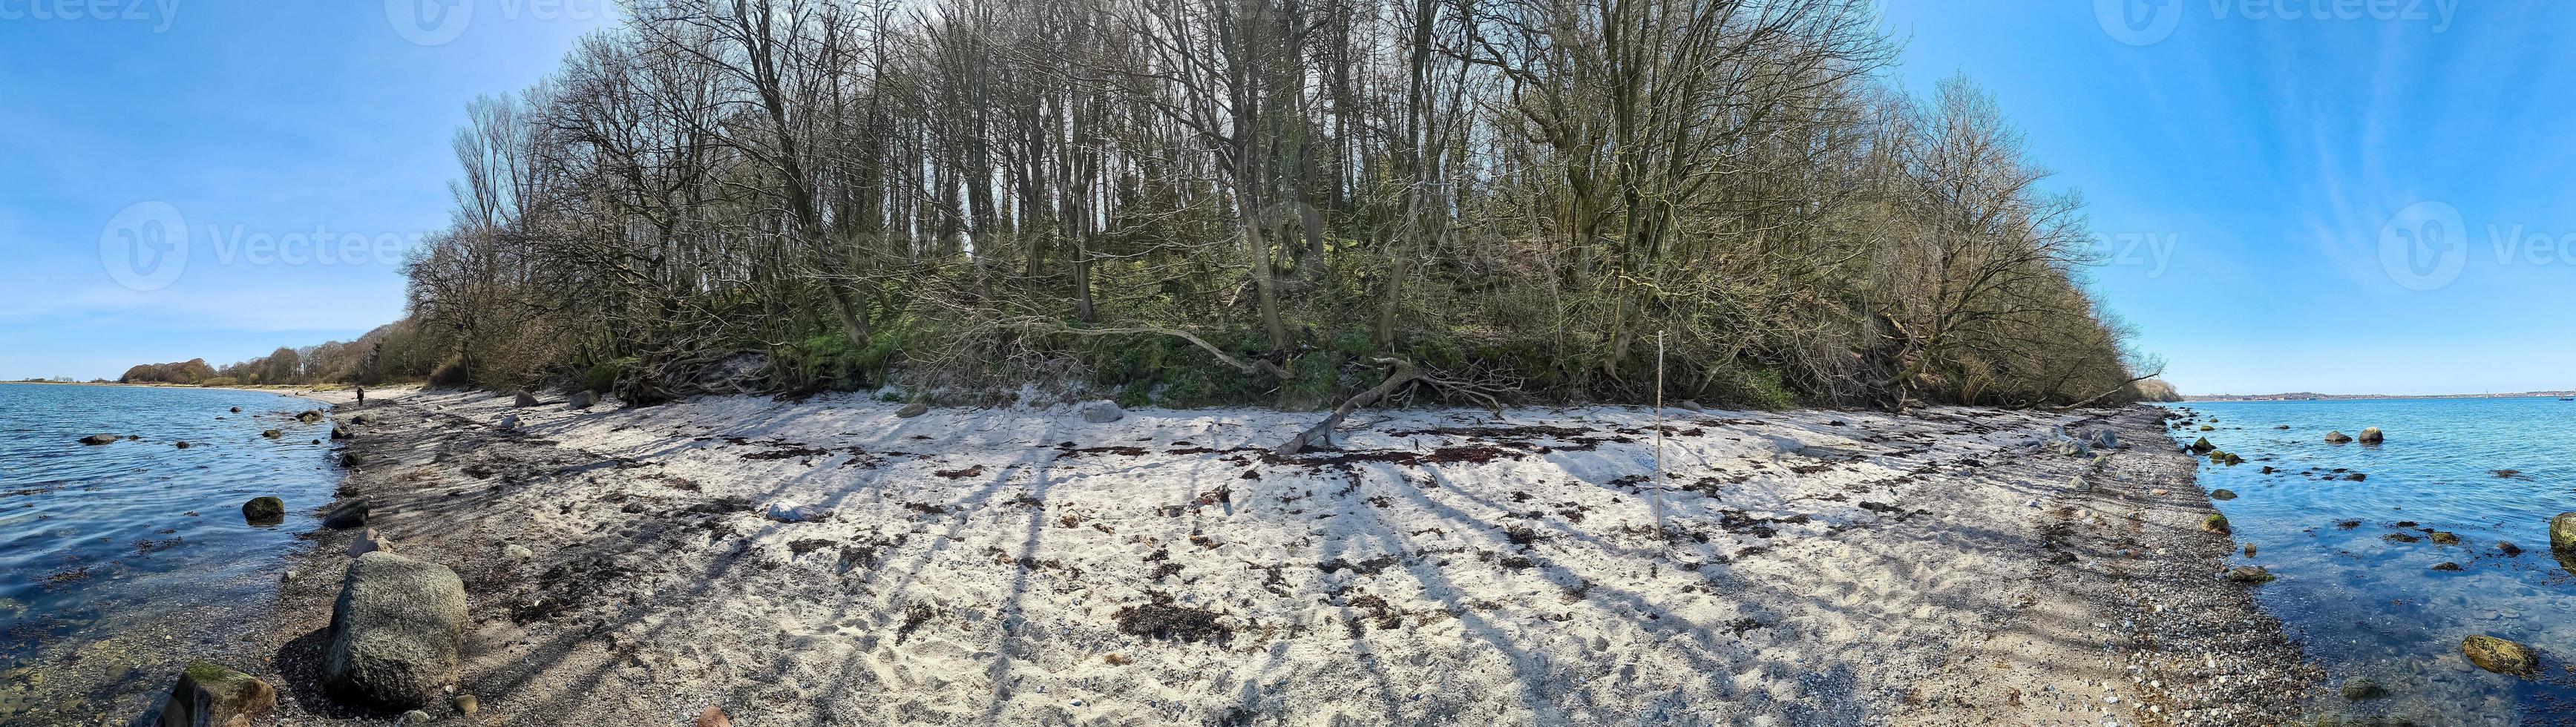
2499, 655
211, 695
2362, 688
264, 511
2249, 574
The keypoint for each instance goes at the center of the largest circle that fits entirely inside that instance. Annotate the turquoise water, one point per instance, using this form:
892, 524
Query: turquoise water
2369, 604
118, 561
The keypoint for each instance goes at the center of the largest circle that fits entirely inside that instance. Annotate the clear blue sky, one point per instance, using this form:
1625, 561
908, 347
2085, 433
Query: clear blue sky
2272, 152
258, 120
2244, 168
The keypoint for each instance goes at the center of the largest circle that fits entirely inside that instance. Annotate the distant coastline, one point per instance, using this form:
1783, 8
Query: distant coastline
2313, 396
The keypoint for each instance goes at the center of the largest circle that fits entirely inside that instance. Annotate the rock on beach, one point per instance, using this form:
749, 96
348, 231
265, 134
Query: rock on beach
396, 631
1102, 412
211, 695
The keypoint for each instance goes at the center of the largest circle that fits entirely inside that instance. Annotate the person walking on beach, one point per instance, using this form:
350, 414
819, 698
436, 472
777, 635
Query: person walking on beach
362, 396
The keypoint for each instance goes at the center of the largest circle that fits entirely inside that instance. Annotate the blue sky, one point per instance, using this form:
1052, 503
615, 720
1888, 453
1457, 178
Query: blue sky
2244, 170
2270, 153
250, 121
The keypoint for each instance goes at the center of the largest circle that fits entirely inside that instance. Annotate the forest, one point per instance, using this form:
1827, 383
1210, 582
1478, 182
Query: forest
1279, 202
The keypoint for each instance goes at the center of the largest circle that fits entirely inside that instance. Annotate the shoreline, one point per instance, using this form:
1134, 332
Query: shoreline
1026, 566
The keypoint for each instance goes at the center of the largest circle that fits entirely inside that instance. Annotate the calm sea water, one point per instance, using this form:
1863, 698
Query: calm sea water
120, 561
2369, 604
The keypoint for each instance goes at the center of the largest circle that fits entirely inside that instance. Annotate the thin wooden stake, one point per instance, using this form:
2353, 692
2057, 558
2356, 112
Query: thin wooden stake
1663, 540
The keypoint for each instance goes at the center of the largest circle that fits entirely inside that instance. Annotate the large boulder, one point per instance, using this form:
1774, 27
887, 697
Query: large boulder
209, 695
98, 439
2499, 656
341, 432
581, 400
1102, 412
524, 400
912, 410
396, 632
2337, 438
309, 416
2202, 446
2371, 435
264, 511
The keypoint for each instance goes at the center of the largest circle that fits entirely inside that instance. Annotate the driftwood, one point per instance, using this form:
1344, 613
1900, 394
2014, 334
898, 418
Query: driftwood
1400, 373
1320, 436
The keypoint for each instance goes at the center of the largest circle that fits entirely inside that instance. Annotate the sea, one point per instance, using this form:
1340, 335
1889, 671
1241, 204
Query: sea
2347, 529
120, 562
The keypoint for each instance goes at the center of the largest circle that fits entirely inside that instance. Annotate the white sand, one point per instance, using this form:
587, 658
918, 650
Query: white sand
1834, 567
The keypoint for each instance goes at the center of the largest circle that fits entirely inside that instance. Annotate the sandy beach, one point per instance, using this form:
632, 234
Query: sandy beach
827, 562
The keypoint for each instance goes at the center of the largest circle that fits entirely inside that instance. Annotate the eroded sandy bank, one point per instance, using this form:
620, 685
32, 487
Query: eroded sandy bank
1021, 566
